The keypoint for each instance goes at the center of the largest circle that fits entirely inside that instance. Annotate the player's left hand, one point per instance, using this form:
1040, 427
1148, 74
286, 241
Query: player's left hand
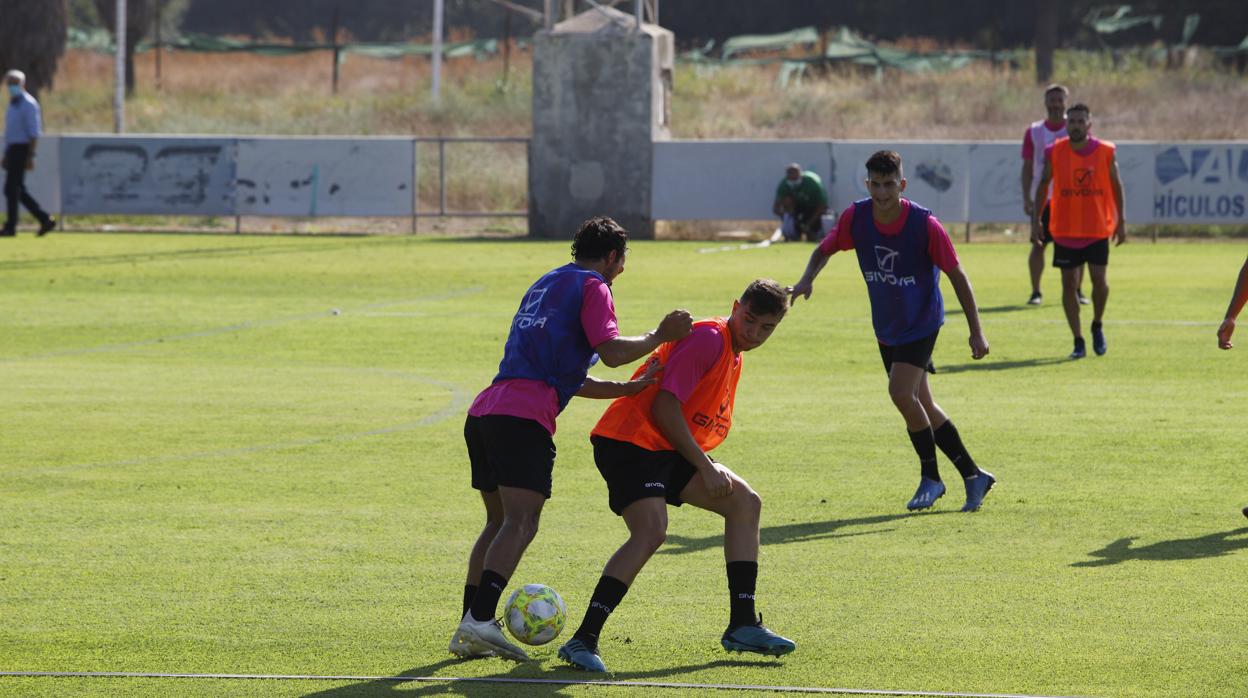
1225, 332
801, 288
717, 480
1120, 234
979, 346
646, 379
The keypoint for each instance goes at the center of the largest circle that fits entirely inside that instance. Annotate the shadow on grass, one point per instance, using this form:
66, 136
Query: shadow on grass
789, 533
1212, 545
519, 679
990, 309
990, 365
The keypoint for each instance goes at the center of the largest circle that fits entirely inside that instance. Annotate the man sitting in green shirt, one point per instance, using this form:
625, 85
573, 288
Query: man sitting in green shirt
800, 203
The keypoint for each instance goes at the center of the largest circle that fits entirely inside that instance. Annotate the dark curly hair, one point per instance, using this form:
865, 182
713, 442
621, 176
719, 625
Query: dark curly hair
884, 162
765, 297
597, 237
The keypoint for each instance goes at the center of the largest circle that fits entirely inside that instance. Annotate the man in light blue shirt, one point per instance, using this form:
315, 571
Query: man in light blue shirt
21, 134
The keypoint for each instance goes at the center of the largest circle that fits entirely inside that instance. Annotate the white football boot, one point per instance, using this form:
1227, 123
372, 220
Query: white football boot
480, 637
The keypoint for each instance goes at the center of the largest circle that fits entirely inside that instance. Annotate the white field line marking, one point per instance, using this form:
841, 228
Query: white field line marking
257, 324
554, 682
458, 400
989, 320
734, 248
1109, 324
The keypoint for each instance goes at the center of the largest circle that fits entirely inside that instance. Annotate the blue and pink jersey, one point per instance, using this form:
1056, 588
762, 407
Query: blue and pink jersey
550, 348
901, 263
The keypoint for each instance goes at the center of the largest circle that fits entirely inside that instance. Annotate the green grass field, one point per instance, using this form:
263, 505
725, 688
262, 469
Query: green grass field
205, 469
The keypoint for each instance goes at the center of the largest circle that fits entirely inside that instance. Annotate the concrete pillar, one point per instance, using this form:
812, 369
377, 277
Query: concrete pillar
601, 97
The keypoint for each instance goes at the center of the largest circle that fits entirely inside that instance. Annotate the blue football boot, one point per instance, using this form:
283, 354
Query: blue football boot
927, 494
756, 638
976, 489
1098, 339
579, 655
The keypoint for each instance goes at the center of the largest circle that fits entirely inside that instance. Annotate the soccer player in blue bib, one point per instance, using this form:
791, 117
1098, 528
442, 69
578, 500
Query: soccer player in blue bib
564, 324
902, 249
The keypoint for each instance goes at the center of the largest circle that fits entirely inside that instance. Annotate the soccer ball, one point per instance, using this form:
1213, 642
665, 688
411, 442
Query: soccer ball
535, 614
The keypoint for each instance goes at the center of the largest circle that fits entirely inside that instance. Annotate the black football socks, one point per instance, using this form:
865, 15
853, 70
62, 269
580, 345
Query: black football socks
486, 601
470, 591
950, 443
742, 578
607, 595
925, 446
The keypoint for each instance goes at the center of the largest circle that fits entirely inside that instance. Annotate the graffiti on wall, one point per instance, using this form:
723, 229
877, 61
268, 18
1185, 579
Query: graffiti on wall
160, 176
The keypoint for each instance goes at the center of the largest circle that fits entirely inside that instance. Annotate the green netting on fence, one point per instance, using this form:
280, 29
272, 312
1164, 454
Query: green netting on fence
100, 40
1110, 20
769, 42
843, 46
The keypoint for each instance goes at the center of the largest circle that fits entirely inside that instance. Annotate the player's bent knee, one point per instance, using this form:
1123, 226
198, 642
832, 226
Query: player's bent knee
523, 526
749, 501
649, 539
904, 399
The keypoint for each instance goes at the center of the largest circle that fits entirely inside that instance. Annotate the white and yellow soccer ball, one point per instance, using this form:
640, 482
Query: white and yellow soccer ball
535, 614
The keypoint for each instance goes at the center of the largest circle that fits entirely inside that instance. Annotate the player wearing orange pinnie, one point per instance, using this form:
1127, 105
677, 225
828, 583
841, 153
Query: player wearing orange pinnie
1086, 212
651, 448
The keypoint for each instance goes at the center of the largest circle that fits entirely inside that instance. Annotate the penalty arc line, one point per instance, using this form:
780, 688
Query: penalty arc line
502, 680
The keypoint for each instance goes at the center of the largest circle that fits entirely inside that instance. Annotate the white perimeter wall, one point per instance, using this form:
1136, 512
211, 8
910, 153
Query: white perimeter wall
226, 176
960, 181
1193, 182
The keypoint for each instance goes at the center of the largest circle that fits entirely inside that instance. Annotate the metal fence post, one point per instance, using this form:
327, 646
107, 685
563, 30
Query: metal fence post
442, 176
416, 184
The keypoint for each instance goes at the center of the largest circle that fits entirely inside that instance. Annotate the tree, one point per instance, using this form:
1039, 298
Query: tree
139, 15
1047, 15
32, 39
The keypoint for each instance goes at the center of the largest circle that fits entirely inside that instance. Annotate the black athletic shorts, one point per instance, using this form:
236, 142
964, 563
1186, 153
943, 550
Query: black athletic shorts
634, 473
509, 451
1044, 224
1071, 258
916, 353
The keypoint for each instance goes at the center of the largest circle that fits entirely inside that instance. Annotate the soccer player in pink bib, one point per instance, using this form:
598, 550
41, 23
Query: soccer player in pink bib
1038, 137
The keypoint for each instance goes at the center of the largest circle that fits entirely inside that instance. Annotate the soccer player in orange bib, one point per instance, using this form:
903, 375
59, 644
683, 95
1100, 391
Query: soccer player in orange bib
1085, 212
651, 448
1238, 298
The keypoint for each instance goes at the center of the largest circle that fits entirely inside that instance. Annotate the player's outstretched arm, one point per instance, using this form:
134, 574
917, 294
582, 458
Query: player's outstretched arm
966, 297
806, 284
624, 350
671, 422
1238, 299
597, 389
